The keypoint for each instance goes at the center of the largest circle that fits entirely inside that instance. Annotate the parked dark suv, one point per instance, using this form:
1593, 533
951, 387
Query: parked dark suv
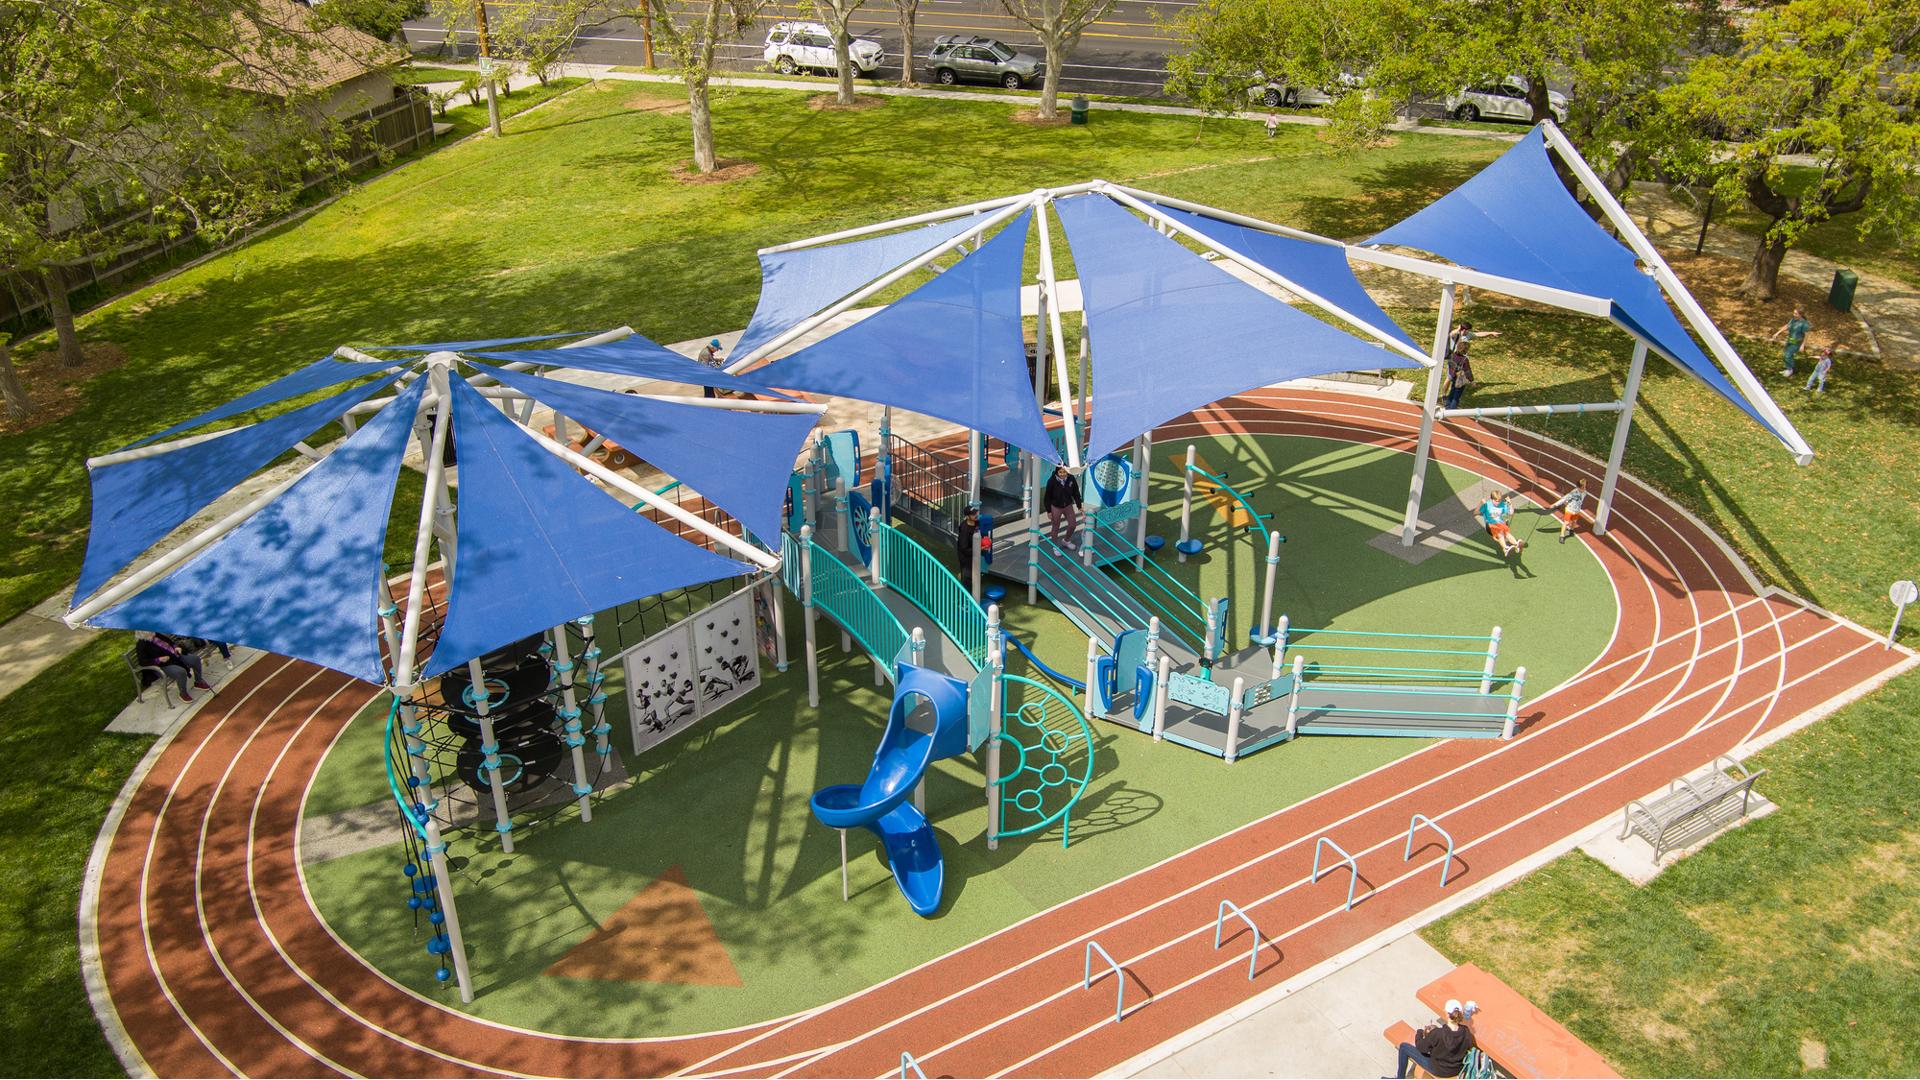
961, 58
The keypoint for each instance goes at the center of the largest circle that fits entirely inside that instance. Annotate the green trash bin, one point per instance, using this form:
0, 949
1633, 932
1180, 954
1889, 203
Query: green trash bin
1840, 297
1079, 110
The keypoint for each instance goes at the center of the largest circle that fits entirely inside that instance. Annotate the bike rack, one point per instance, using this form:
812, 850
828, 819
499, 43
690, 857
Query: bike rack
907, 1062
1353, 868
1413, 826
1119, 980
1219, 921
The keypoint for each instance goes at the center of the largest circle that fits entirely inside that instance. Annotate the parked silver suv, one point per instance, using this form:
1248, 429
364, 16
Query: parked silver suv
964, 58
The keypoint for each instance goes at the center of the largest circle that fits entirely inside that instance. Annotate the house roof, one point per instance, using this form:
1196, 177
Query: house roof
295, 52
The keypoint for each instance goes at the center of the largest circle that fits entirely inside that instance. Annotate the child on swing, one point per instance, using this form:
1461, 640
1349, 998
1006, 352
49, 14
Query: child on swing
1569, 509
1496, 514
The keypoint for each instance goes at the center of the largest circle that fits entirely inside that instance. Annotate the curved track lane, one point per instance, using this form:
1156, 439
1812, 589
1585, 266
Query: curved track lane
215, 961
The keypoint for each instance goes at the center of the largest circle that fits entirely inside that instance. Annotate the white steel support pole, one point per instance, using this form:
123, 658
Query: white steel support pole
1214, 633
1160, 698
1186, 503
490, 749
1621, 428
976, 474
570, 719
1033, 528
596, 686
917, 646
1264, 633
1493, 657
777, 604
1086, 377
873, 539
996, 705
1293, 699
806, 602
1235, 711
1280, 643
1092, 705
1424, 448
404, 667
843, 864
1143, 464
1513, 701
1074, 426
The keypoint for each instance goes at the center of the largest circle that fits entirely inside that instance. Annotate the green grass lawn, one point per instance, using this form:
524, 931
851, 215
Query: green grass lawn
1883, 252
726, 803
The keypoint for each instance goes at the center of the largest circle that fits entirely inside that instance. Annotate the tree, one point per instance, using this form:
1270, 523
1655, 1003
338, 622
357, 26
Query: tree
907, 12
381, 19
691, 30
124, 123
835, 14
15, 395
1813, 118
1058, 24
539, 36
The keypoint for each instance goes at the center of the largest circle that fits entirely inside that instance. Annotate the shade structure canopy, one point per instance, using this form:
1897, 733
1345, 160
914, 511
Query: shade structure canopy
318, 375
300, 571
1516, 218
1172, 332
952, 348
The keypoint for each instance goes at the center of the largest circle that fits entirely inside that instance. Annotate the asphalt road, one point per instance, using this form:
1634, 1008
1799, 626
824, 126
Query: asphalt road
1123, 53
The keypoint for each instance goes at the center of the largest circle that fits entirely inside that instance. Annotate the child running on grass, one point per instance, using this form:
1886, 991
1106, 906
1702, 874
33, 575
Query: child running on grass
1568, 509
1496, 514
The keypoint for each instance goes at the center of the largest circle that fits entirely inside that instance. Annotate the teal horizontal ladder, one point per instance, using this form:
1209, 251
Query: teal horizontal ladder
1179, 607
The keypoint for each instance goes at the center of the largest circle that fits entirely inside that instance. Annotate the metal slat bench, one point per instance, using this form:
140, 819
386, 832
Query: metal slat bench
1688, 804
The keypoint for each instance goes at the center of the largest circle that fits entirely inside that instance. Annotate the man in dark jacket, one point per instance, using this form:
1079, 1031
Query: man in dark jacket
965, 543
1440, 1048
1063, 507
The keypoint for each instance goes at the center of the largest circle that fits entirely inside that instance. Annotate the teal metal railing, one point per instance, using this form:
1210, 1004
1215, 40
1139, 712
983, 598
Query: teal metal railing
1179, 607
397, 745
841, 593
1258, 519
913, 572
790, 563
1053, 748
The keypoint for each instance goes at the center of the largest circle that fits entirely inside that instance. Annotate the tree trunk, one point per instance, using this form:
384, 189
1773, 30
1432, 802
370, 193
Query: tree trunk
908, 13
1050, 86
843, 63
1763, 277
60, 310
18, 407
1537, 99
702, 116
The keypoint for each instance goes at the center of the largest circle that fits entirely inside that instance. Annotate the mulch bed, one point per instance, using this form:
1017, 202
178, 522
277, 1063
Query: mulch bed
55, 389
726, 169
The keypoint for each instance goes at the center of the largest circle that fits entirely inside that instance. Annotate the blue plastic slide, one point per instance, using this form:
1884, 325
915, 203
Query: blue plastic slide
883, 804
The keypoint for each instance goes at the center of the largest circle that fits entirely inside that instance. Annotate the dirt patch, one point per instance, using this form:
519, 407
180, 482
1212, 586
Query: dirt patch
1032, 116
831, 103
665, 106
1714, 280
725, 170
55, 389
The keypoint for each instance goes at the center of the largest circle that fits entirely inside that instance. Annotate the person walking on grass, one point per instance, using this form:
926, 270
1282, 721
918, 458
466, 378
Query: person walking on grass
1459, 369
1440, 1048
1796, 334
1821, 368
1568, 509
1063, 500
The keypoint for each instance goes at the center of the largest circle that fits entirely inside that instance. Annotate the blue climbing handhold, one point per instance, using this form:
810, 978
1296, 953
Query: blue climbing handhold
409, 869
434, 948
436, 918
413, 903
443, 974
413, 781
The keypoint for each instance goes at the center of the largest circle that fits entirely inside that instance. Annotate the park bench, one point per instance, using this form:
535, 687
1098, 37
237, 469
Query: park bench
1691, 806
1513, 1036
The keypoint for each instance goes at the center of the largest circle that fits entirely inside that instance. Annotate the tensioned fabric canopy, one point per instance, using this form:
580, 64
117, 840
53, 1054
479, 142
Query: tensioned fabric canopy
952, 348
798, 283
315, 376
1171, 331
1321, 267
1515, 218
632, 355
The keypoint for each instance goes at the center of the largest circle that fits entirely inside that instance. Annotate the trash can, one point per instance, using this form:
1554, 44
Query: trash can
1840, 297
1080, 111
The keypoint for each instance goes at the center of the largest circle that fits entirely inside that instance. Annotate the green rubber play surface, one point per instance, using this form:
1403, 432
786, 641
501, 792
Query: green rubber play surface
717, 895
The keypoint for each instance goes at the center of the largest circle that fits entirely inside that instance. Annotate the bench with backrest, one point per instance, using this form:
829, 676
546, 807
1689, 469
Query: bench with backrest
1512, 1036
1690, 805
206, 651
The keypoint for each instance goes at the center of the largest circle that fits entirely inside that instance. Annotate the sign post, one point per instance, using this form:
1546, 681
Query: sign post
1902, 594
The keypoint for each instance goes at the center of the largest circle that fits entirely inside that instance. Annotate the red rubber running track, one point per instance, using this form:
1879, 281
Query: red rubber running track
215, 961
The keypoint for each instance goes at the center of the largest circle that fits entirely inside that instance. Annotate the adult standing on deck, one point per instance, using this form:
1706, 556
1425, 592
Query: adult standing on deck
1796, 334
1063, 507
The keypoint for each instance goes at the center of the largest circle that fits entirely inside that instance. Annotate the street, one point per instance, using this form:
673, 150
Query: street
1123, 53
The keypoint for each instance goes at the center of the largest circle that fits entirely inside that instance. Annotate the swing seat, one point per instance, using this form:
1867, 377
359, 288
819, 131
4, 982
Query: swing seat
1188, 547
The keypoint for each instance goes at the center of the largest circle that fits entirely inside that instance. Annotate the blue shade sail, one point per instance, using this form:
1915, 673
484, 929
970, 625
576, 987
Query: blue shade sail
1322, 268
1171, 332
1516, 219
489, 343
799, 283
635, 356
315, 376
299, 578
137, 502
740, 461
537, 544
952, 348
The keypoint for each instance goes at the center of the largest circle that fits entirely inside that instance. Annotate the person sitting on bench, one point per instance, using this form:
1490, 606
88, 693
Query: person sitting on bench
1439, 1048
173, 660
1496, 514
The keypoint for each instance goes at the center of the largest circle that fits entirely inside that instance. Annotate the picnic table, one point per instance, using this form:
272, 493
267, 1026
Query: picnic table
1511, 1030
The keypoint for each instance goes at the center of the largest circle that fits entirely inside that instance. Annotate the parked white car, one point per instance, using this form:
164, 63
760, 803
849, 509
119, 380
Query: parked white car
1274, 94
796, 46
1503, 100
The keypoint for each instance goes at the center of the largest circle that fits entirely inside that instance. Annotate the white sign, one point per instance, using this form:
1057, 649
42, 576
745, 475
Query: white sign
1904, 593
486, 66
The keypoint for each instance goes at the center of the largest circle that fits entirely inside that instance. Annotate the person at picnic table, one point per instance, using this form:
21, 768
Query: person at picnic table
1063, 500
173, 659
1796, 334
1458, 374
1440, 1048
1497, 514
1821, 368
710, 356
1568, 509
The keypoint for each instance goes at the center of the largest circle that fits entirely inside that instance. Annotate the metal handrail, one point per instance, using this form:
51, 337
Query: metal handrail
1296, 631
1219, 921
841, 593
1119, 980
1353, 868
1412, 826
913, 572
907, 1061
1187, 619
1259, 519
